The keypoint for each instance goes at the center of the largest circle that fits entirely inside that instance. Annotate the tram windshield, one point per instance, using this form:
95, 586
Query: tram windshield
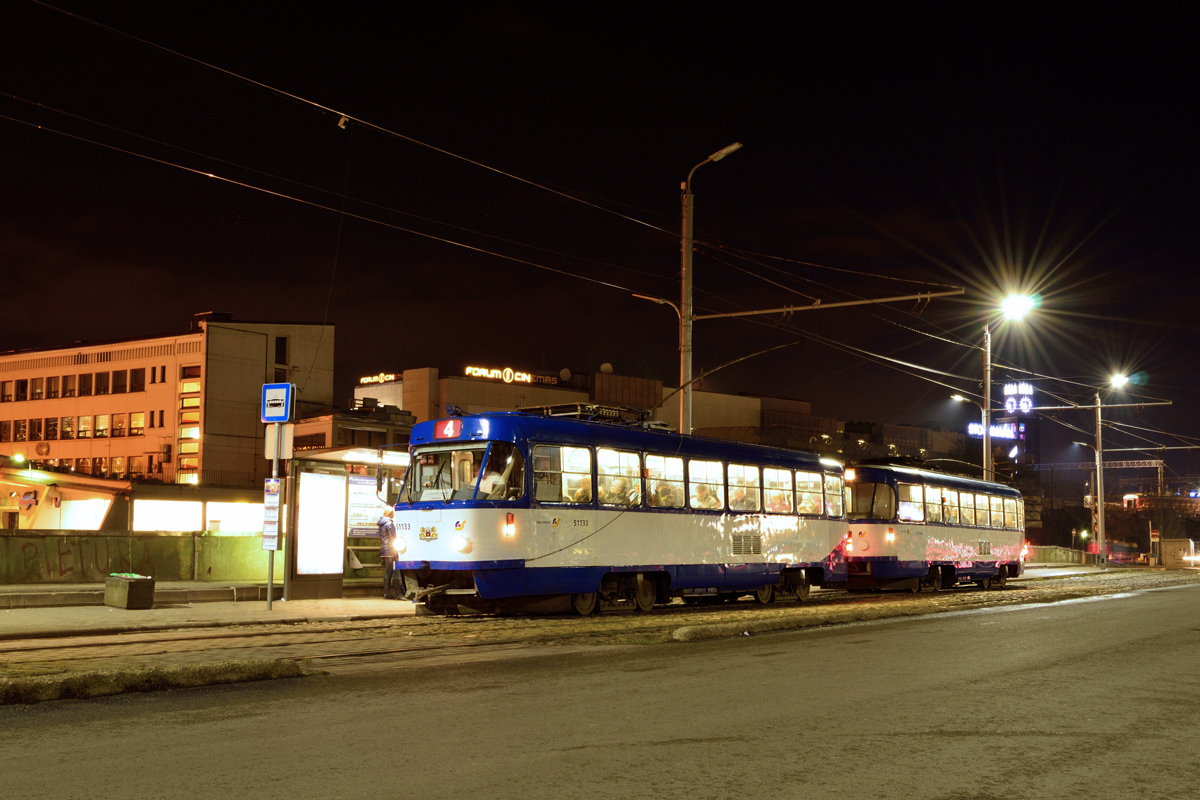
872, 501
466, 473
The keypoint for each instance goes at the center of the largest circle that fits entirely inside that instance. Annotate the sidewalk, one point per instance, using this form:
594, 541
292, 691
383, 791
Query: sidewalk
60, 610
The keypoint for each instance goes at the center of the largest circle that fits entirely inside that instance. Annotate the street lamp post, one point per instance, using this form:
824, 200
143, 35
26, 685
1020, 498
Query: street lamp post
686, 315
987, 404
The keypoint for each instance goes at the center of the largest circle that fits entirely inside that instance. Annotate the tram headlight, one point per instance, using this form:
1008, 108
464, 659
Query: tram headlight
400, 544
461, 543
510, 526
890, 535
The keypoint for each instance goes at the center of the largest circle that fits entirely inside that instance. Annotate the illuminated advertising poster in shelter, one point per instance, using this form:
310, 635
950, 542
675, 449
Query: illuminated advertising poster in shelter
365, 507
321, 524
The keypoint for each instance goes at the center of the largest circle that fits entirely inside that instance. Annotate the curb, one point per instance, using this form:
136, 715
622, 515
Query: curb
63, 633
101, 683
723, 630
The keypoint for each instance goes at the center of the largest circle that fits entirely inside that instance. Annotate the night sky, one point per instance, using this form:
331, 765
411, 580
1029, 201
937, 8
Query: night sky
887, 152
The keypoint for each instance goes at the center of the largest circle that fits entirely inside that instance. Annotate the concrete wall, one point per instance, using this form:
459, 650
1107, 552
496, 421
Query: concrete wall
1055, 555
89, 557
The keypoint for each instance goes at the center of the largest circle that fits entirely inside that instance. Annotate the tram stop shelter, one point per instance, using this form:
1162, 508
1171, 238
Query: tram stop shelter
334, 514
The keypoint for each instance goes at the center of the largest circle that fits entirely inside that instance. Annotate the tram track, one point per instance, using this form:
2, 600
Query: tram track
404, 637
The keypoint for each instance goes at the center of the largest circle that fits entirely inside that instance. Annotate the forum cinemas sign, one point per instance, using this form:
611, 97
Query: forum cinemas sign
509, 375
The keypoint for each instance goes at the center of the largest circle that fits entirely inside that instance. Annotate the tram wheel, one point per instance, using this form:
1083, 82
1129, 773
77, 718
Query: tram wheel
585, 603
802, 590
764, 594
1000, 579
645, 593
933, 581
984, 584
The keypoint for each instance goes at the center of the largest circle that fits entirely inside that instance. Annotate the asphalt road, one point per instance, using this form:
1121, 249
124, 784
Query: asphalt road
1092, 698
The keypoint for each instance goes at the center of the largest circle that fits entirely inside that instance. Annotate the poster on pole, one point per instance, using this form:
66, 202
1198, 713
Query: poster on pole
271, 514
365, 507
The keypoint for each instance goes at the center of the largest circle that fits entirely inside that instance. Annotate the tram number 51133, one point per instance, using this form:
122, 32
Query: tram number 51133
581, 523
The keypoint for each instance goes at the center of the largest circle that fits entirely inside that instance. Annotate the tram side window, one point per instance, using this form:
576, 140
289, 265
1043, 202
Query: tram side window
933, 504
835, 497
912, 503
778, 485
808, 492
744, 488
1010, 513
619, 475
967, 501
1020, 515
981, 511
997, 504
950, 499
706, 488
666, 481
562, 474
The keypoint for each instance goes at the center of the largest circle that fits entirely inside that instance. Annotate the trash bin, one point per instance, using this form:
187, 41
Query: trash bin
129, 590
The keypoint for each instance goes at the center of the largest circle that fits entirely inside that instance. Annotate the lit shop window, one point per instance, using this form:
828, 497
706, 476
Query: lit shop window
20, 430
137, 423
187, 478
37, 388
186, 417
101, 426
190, 432
85, 427
137, 465
118, 466
189, 402
189, 448
119, 426
68, 427
189, 462
35, 430
83, 466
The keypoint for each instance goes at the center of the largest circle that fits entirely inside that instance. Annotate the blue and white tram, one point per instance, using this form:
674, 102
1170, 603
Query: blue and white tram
914, 529
508, 511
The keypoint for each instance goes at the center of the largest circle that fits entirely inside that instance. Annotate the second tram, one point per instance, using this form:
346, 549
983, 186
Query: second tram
914, 529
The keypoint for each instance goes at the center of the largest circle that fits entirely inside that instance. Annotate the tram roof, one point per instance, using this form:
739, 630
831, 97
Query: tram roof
935, 478
512, 426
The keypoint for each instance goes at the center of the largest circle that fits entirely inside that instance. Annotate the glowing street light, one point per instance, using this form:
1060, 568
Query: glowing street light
1014, 307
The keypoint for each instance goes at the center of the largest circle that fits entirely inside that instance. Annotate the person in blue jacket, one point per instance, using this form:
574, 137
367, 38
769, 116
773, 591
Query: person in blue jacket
387, 553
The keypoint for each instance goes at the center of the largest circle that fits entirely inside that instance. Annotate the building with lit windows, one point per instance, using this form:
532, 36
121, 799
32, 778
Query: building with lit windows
178, 409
